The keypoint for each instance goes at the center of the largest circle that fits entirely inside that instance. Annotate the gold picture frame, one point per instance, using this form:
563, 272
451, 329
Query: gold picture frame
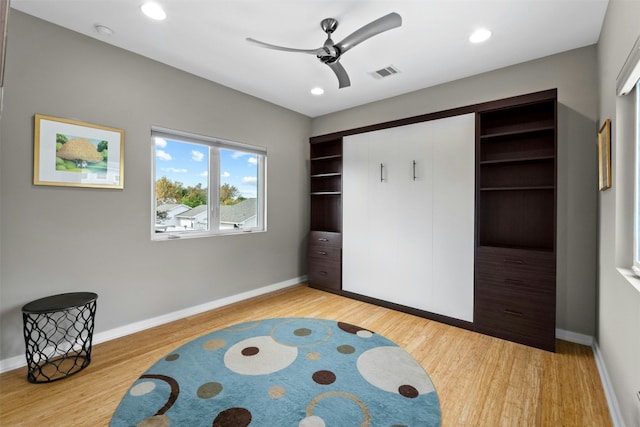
4, 15
76, 154
604, 156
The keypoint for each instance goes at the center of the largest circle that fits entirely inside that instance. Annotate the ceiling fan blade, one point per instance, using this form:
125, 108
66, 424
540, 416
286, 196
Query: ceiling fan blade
316, 52
373, 28
341, 73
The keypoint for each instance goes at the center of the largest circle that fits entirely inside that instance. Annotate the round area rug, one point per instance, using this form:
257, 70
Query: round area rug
300, 372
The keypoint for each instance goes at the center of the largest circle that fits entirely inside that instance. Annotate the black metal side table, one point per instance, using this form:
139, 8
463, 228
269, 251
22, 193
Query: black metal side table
58, 331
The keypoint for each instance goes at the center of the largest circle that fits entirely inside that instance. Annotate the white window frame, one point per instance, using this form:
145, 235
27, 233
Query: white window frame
214, 144
628, 79
636, 210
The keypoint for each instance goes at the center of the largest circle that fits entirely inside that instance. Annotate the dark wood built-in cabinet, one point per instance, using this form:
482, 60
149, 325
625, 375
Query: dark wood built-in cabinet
325, 238
515, 265
513, 285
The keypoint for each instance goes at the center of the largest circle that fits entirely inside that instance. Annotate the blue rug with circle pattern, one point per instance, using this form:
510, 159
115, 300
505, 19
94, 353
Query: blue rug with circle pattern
301, 372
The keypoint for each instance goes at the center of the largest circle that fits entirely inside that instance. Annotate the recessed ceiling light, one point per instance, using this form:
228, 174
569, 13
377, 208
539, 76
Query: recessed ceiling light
317, 91
103, 30
480, 35
153, 11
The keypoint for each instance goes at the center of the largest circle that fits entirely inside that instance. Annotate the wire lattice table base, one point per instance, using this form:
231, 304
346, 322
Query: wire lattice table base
58, 333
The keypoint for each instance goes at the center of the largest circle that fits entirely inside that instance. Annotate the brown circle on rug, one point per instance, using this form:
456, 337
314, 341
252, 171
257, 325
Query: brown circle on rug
237, 417
250, 351
324, 377
408, 391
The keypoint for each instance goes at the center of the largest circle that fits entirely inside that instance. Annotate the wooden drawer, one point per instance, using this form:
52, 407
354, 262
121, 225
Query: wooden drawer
325, 273
325, 238
511, 312
324, 252
516, 267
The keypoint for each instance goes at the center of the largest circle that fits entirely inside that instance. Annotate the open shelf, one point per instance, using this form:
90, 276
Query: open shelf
520, 218
326, 149
326, 166
519, 119
525, 144
530, 173
517, 160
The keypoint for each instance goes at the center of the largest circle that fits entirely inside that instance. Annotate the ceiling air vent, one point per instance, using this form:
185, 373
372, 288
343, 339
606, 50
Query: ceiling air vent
386, 72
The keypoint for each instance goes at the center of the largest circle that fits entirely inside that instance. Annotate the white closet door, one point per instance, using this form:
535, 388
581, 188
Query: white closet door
366, 209
453, 216
412, 283
386, 214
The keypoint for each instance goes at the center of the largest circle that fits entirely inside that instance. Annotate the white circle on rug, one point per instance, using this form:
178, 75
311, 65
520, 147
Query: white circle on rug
259, 356
312, 421
393, 369
142, 388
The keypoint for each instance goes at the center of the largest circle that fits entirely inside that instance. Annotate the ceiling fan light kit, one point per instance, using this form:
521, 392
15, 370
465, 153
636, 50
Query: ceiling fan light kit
331, 52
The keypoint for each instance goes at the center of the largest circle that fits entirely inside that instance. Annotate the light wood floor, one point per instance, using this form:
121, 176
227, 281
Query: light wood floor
481, 381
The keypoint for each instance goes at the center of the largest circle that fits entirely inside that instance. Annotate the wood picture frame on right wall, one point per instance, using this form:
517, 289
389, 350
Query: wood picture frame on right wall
604, 156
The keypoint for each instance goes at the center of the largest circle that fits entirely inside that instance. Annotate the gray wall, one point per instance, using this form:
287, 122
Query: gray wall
574, 73
619, 302
56, 239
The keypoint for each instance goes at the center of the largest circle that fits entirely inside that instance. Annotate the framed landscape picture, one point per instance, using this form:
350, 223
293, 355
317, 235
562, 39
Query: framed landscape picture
76, 154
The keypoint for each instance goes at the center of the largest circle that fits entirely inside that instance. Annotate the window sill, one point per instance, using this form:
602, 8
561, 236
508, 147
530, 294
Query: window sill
163, 237
631, 277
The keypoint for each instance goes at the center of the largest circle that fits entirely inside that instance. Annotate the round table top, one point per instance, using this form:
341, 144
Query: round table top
59, 302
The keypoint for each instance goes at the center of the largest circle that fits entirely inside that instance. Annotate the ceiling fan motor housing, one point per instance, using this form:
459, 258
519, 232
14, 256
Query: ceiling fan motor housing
329, 25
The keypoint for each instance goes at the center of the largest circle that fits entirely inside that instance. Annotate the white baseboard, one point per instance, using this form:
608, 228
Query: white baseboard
612, 400
574, 337
12, 363
20, 361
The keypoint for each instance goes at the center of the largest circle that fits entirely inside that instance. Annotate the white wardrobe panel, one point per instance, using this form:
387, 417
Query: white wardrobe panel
413, 216
453, 217
373, 181
408, 215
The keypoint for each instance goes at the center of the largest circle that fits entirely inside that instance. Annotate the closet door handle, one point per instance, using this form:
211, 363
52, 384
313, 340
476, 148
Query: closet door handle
381, 172
414, 170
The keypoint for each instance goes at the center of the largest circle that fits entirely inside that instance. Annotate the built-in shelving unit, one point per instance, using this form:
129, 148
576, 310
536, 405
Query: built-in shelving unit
516, 219
325, 238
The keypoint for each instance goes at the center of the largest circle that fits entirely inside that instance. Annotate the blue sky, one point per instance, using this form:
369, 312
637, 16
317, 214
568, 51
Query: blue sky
188, 164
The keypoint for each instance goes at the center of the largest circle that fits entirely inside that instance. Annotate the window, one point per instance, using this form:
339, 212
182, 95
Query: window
204, 186
628, 84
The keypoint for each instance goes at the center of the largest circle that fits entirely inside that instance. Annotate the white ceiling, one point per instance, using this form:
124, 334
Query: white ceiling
207, 38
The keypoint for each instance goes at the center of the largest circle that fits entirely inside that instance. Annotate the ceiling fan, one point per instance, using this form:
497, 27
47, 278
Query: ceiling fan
331, 52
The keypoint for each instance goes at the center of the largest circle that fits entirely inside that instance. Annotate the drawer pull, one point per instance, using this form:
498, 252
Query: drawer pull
322, 252
513, 261
513, 281
322, 239
513, 312
323, 273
